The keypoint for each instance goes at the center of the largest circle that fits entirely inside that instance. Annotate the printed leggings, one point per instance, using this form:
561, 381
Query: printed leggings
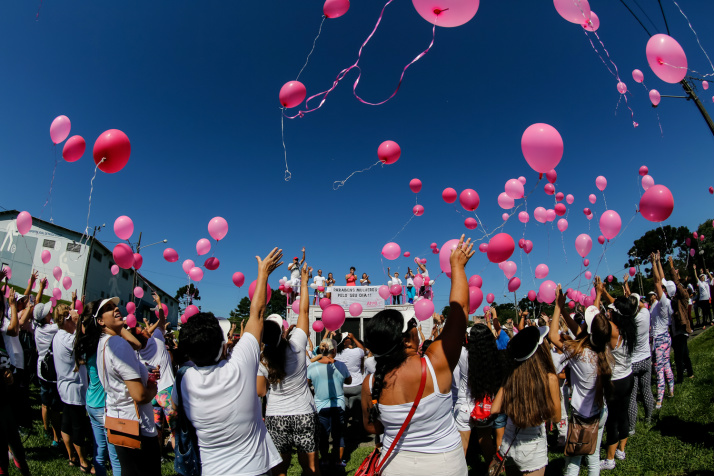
642, 373
662, 345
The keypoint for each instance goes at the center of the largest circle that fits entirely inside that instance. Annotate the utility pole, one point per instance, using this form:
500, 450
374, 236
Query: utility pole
692, 95
138, 250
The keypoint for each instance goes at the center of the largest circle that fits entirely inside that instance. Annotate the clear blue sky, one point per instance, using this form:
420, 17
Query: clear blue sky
195, 87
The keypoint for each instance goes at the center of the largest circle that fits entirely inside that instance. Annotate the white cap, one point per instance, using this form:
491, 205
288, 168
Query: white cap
115, 300
590, 314
276, 319
41, 311
670, 287
637, 296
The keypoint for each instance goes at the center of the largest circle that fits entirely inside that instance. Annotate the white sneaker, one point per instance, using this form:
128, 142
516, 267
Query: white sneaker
607, 464
619, 454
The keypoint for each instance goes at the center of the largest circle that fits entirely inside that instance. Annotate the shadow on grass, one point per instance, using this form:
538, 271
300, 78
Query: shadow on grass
687, 431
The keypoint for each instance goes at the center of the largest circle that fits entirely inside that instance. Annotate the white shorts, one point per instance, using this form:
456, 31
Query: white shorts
528, 450
410, 463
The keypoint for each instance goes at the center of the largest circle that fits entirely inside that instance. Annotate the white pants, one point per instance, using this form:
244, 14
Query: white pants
410, 463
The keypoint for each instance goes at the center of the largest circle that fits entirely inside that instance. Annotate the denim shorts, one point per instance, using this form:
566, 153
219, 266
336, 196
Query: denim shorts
49, 396
528, 449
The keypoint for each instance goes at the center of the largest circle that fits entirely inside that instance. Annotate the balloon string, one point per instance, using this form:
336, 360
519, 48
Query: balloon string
82, 241
314, 42
288, 175
37, 17
49, 194
340, 183
704, 75
695, 34
661, 132
598, 53
403, 227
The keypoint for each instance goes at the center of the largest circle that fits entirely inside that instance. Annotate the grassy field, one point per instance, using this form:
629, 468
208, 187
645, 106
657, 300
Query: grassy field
679, 442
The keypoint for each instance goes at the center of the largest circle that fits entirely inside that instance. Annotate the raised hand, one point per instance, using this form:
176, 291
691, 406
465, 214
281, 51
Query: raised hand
156, 297
271, 262
561, 297
305, 273
462, 253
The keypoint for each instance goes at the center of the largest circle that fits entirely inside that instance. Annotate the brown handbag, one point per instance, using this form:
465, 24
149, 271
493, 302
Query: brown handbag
582, 435
121, 431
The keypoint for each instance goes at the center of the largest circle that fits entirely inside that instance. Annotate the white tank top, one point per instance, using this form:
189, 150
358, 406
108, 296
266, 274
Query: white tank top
623, 361
432, 429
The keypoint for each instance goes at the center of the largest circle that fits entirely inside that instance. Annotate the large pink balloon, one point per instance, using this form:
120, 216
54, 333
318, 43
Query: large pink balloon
542, 146
114, 147
476, 281
569, 199
195, 273
130, 307
666, 58
523, 217
292, 93
24, 223
59, 129
657, 203
423, 309
123, 256
471, 223
384, 291
238, 278
541, 271
355, 309
74, 148
601, 183
469, 199
540, 214
123, 227
184, 319
504, 201
562, 224
115, 269
139, 292
513, 284
57, 272
138, 261
583, 245
509, 269
324, 302
655, 97
638, 76
475, 298
251, 291
391, 251
449, 195
218, 228
333, 317
546, 291
212, 263
575, 11
389, 152
418, 210
610, 224
46, 256
445, 256
191, 311
514, 189
395, 289
335, 8
500, 248
203, 246
171, 255
415, 185
318, 326
187, 265
66, 282
490, 298
448, 13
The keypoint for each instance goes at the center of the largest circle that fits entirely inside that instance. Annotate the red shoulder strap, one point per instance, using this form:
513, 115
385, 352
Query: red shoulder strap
409, 417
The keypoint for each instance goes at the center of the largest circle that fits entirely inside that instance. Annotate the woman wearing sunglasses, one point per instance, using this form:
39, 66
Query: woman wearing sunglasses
432, 445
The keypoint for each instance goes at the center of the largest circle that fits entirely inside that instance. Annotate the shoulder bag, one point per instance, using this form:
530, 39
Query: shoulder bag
48, 373
371, 466
121, 431
582, 435
187, 461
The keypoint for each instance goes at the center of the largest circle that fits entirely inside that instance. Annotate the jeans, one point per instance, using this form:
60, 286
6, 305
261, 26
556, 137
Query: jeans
572, 463
681, 357
141, 462
101, 446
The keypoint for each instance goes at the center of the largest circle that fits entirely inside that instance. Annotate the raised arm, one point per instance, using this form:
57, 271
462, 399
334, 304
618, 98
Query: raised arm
626, 284
554, 333
257, 305
496, 323
303, 321
33, 278
41, 292
601, 293
302, 261
658, 277
13, 328
522, 321
675, 273
659, 265
422, 338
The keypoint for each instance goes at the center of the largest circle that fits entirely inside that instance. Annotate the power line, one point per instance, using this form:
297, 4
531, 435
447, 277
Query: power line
643, 11
663, 16
636, 18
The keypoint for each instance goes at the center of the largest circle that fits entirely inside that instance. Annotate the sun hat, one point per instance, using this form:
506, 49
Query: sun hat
524, 344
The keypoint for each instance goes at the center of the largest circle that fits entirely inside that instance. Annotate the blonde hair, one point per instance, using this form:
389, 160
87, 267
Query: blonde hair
327, 346
60, 314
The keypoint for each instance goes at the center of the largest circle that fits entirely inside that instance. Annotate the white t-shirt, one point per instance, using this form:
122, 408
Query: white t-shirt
292, 395
642, 349
559, 360
71, 385
156, 355
583, 376
122, 364
319, 280
410, 282
464, 394
43, 340
352, 358
13, 346
703, 290
660, 315
370, 365
222, 404
395, 280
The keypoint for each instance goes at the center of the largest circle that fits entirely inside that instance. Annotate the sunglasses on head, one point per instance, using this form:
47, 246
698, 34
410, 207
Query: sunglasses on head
411, 324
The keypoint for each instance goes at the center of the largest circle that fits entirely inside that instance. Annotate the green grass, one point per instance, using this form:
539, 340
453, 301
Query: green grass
679, 442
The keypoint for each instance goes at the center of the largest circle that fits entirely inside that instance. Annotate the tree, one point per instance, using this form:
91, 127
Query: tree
242, 311
505, 311
666, 239
186, 295
277, 305
446, 310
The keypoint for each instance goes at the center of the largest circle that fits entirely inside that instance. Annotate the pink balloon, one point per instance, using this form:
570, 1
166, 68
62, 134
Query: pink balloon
115, 269
486, 309
165, 308
513, 284
490, 298
666, 58
601, 183
592, 198
586, 262
583, 245
647, 182
123, 256
218, 228
355, 309
78, 306
655, 97
541, 271
130, 307
391, 251
384, 291
483, 247
423, 261
549, 189
701, 238
638, 76
138, 261
514, 189
522, 179
546, 291
238, 278
593, 24
203, 246
24, 223
318, 326
521, 243
448, 13
500, 248
407, 254
292, 93
195, 274
56, 293
130, 321
74, 148
509, 269
542, 146
171, 255
139, 292
470, 223
540, 214
191, 311
523, 217
587, 211
475, 281
621, 87
692, 252
389, 152
449, 195
559, 196
610, 278
559, 209
528, 246
588, 275
46, 256
423, 309
705, 85
550, 214
184, 319
111, 151
633, 271
504, 201
569, 199
418, 210
469, 199
551, 176
575, 11
418, 280
415, 185
589, 216
531, 295
251, 291
67, 282
610, 224
333, 316
395, 289
433, 245
59, 129
324, 302
657, 203
475, 298
644, 170
187, 265
505, 216
601, 239
711, 190
8, 273
335, 8
212, 263
123, 227
445, 256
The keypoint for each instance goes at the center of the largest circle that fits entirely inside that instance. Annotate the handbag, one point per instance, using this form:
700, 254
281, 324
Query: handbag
48, 373
121, 431
498, 462
582, 435
187, 456
371, 466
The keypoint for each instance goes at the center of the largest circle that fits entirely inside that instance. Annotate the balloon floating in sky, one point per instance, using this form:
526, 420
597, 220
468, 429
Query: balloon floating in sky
171, 255
203, 246
335, 8
504, 201
551, 176
218, 228
666, 58
500, 248
389, 152
583, 245
445, 256
593, 24
449, 195
138, 261
657, 203
644, 170
23, 222
123, 256
212, 263
610, 224
59, 129
391, 251
601, 183
647, 182
470, 223
111, 151
292, 93
655, 97
542, 147
449, 13
238, 278
469, 199
418, 210
123, 227
638, 76
575, 11
415, 185
74, 148
621, 87
46, 256
514, 189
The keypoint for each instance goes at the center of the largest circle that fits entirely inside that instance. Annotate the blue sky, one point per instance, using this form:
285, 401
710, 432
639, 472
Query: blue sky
195, 87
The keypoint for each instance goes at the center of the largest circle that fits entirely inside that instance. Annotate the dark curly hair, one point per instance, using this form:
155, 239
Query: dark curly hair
486, 369
624, 319
383, 336
274, 356
88, 334
201, 338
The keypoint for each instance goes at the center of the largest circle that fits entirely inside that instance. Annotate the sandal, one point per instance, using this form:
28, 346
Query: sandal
73, 463
86, 469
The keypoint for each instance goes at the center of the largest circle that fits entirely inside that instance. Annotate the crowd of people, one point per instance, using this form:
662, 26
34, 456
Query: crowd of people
120, 398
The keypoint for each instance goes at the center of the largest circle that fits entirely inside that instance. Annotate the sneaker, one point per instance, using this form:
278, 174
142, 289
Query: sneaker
54, 444
632, 432
658, 406
607, 464
619, 454
342, 464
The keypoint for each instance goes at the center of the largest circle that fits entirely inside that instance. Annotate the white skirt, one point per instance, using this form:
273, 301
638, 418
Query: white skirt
411, 463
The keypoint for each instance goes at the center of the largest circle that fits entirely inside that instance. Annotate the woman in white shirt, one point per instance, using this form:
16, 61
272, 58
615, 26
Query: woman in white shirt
45, 331
290, 415
351, 353
219, 394
129, 390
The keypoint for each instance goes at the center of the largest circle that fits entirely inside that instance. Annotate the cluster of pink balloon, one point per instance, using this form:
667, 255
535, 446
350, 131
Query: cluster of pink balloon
111, 149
